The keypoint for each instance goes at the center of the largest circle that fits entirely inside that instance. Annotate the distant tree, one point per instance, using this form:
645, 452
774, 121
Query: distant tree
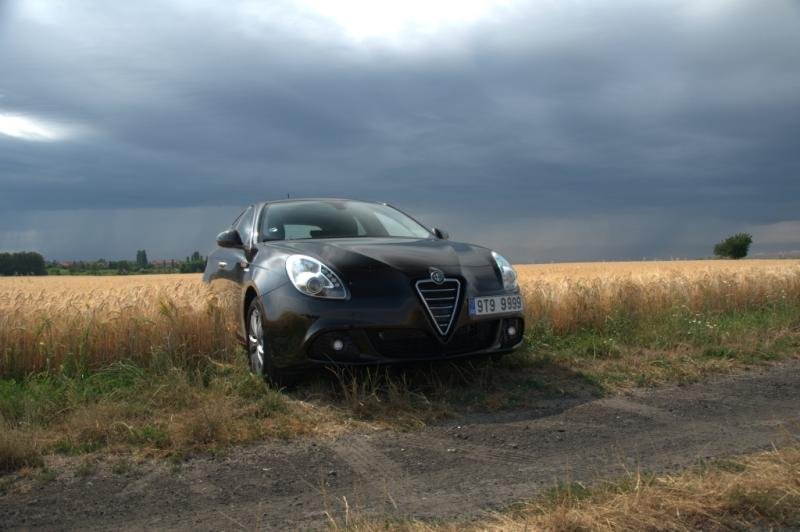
141, 258
123, 267
194, 264
22, 263
734, 247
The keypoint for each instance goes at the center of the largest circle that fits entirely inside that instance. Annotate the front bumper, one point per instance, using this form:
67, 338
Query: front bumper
383, 328
395, 345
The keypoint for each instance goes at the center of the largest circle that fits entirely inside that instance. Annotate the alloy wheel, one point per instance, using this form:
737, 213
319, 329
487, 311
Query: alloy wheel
255, 342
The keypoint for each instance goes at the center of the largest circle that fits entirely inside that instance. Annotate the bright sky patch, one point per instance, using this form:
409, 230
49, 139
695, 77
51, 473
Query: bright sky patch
29, 128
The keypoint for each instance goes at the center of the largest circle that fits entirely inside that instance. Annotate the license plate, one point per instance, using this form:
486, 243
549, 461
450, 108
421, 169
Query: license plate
484, 306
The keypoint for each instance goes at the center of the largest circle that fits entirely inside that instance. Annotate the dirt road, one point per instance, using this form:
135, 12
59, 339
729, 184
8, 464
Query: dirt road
461, 469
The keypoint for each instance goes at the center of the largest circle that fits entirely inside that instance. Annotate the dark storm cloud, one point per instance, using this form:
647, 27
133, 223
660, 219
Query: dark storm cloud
616, 129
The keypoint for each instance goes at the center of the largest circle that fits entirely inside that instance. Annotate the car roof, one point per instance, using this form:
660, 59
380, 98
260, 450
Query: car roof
323, 198
293, 200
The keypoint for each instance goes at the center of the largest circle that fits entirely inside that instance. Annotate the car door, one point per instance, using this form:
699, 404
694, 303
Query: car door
228, 270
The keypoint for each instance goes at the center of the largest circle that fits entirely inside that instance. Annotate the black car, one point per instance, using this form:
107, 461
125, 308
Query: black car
336, 281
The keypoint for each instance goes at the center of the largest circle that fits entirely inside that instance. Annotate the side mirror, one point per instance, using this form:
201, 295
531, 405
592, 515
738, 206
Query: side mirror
229, 239
441, 234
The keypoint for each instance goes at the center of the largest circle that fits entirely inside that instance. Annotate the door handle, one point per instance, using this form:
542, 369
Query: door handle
222, 264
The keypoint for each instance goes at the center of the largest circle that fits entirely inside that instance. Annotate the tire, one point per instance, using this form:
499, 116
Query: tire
258, 350
259, 358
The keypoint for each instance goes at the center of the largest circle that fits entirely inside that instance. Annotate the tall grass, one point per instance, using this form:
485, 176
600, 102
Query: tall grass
91, 363
78, 324
566, 298
86, 323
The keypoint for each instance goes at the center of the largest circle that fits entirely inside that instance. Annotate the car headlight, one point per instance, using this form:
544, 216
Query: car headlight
507, 272
313, 278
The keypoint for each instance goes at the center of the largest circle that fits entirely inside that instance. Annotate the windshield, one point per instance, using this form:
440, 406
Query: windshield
294, 220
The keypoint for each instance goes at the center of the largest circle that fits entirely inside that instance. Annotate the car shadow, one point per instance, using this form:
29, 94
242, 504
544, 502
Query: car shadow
519, 386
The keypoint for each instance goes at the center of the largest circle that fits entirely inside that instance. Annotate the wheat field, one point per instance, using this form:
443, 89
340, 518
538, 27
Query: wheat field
90, 321
572, 296
49, 322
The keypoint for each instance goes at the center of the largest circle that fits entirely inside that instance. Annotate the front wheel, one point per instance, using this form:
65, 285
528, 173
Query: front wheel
258, 350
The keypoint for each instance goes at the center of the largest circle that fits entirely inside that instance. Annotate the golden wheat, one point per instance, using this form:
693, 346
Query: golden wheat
571, 296
47, 322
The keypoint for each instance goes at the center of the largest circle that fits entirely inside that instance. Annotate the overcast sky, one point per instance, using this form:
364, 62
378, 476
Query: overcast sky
547, 129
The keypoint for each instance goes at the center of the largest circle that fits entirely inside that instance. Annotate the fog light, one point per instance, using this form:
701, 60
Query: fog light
511, 332
338, 345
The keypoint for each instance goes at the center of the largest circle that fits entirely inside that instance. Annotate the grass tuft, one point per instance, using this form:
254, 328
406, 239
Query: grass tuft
16, 451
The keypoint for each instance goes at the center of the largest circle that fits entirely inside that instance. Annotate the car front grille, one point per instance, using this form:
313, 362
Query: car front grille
441, 300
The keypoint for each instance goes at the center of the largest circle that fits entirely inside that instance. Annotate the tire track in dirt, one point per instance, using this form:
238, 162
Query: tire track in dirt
455, 470
382, 478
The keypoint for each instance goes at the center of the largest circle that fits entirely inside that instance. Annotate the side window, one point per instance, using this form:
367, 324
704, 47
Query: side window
244, 225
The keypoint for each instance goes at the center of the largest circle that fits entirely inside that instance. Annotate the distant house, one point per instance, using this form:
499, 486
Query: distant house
165, 263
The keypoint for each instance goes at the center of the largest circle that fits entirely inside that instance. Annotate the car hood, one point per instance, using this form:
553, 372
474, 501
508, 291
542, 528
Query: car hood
411, 256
